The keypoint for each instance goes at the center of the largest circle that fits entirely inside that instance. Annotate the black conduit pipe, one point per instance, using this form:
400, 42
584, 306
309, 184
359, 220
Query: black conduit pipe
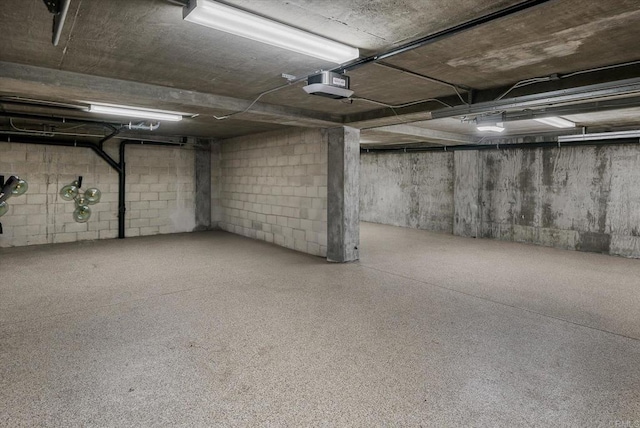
506, 146
108, 137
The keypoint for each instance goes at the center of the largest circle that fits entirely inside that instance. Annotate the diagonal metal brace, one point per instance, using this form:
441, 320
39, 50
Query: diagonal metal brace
59, 9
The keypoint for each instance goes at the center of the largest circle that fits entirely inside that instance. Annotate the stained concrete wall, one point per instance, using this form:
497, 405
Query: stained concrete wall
409, 190
274, 188
582, 198
466, 209
159, 191
203, 182
217, 213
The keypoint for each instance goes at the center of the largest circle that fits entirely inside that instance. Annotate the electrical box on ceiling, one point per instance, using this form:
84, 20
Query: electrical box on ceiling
329, 84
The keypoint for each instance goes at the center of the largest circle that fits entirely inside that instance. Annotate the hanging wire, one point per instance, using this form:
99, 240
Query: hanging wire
254, 102
534, 80
400, 105
393, 107
49, 133
591, 70
422, 76
523, 83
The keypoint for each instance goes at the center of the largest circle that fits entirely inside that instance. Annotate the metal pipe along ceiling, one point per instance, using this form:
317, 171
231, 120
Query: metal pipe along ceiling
432, 38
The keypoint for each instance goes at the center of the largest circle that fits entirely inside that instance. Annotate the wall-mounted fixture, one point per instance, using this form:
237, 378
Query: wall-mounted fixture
135, 112
557, 122
244, 24
73, 192
14, 186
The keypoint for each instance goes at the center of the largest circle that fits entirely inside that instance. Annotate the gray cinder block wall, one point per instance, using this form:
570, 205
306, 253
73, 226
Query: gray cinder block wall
159, 191
274, 188
579, 198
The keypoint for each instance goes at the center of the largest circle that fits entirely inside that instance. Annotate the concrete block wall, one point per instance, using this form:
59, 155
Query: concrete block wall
160, 190
274, 188
408, 190
160, 193
579, 198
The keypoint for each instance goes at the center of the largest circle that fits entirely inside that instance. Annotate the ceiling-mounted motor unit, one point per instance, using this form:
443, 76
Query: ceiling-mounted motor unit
329, 84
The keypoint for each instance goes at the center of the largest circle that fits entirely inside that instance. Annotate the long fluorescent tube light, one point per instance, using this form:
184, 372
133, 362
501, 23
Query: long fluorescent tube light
558, 122
490, 128
599, 136
133, 112
235, 21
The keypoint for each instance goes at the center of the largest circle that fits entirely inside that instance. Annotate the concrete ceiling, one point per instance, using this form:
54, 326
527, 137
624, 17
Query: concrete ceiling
142, 53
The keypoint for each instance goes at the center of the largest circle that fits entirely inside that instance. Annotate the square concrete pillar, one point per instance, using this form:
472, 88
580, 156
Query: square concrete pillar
343, 194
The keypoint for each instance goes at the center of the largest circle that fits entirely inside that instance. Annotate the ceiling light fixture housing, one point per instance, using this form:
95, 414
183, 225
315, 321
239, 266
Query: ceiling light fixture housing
244, 24
491, 128
135, 112
557, 122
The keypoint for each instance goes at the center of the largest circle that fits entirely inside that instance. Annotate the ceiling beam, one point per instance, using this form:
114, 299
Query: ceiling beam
571, 109
426, 134
608, 90
618, 78
391, 116
26, 80
554, 95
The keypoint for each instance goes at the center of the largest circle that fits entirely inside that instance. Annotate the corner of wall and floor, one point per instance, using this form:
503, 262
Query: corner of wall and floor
274, 187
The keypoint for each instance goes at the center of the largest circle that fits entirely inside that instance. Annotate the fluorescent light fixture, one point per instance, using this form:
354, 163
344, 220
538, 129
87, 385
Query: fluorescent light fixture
244, 24
599, 136
491, 128
558, 122
134, 112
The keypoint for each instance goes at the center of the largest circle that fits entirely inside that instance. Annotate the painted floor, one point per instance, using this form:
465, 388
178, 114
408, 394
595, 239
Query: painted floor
213, 329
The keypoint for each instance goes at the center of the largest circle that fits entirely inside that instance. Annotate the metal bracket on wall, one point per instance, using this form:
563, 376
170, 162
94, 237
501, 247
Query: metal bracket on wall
53, 6
2, 191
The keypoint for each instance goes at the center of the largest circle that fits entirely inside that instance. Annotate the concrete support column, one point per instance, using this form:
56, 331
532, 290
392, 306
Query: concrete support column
343, 194
203, 185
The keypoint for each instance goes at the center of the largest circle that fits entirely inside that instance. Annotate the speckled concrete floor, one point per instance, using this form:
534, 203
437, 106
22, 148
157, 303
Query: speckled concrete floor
214, 329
